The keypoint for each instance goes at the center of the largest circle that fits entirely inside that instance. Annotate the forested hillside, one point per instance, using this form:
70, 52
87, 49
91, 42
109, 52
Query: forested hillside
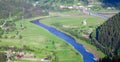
107, 36
18, 8
111, 3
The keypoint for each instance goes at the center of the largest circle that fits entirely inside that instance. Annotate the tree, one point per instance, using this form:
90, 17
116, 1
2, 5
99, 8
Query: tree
3, 57
118, 52
108, 35
1, 32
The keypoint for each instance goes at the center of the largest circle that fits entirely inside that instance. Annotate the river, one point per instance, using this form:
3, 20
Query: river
87, 56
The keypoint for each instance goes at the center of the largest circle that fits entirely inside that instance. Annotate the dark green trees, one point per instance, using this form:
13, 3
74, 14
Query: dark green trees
108, 36
108, 59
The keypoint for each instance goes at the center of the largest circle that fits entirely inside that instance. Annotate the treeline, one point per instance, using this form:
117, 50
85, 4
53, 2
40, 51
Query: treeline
108, 59
57, 1
107, 36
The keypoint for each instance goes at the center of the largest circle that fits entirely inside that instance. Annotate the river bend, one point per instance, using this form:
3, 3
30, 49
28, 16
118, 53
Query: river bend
87, 56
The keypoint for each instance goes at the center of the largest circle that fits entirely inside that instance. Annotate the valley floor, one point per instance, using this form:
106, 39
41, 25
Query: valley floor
37, 42
72, 25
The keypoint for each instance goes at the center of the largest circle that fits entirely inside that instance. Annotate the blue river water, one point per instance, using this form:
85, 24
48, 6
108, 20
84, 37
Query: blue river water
87, 56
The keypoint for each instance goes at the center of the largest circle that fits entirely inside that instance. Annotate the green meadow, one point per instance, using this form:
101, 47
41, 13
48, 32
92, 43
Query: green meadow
39, 42
73, 25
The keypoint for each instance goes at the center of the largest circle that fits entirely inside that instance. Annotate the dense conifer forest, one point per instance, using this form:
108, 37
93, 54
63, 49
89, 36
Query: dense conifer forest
107, 36
111, 3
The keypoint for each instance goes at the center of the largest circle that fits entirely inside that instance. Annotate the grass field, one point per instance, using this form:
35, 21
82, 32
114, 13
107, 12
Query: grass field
77, 29
40, 42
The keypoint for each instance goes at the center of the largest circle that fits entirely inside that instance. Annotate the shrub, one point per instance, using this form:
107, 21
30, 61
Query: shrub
3, 57
6, 37
12, 37
20, 37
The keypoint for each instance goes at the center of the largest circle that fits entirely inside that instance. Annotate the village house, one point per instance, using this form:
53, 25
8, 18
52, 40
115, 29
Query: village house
62, 6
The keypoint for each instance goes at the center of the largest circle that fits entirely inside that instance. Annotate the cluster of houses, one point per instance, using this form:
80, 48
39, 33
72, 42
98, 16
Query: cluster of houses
79, 6
83, 7
73, 7
11, 54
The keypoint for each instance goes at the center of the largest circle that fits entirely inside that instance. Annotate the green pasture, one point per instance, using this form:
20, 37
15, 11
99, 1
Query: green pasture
79, 29
40, 42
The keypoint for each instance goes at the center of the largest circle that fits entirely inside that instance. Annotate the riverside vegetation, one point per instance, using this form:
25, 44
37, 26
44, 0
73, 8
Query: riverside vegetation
73, 25
39, 42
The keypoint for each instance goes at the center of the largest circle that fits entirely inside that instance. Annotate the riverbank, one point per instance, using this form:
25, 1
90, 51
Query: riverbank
87, 56
39, 42
97, 53
90, 48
